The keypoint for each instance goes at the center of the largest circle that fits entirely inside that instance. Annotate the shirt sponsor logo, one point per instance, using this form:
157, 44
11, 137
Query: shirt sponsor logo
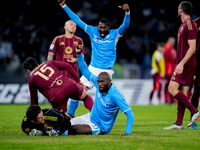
102, 101
100, 40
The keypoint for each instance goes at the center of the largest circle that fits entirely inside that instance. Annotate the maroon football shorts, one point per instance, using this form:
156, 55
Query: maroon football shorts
73, 91
186, 77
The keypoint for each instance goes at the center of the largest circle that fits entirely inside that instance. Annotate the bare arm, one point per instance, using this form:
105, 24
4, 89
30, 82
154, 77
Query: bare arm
72, 15
33, 94
73, 60
50, 56
190, 52
126, 20
68, 68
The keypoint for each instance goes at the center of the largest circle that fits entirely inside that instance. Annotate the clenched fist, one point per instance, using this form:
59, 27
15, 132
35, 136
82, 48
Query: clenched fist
61, 2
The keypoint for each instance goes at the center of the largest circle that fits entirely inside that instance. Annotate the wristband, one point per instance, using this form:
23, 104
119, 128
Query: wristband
63, 5
128, 12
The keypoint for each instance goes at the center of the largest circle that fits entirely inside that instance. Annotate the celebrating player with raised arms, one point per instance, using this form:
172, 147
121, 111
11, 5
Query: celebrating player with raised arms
103, 41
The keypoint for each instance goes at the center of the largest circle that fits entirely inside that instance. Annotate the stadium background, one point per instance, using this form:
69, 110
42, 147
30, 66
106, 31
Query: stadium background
27, 28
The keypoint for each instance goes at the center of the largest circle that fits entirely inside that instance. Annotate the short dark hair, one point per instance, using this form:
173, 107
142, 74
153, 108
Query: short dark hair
30, 63
186, 7
104, 20
33, 111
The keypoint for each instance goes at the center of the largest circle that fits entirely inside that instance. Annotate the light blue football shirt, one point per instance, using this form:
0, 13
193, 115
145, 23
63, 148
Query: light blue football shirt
106, 105
103, 49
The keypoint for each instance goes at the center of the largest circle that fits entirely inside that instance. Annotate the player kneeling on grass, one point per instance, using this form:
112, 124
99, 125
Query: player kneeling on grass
47, 78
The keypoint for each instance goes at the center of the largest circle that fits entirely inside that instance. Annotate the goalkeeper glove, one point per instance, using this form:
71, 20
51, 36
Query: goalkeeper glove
53, 133
35, 132
47, 129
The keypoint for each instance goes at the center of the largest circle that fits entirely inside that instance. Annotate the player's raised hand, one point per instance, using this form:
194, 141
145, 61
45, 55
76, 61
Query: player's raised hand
125, 7
79, 49
61, 2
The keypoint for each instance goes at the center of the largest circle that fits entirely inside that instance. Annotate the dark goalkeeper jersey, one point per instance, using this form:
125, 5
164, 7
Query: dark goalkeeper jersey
53, 118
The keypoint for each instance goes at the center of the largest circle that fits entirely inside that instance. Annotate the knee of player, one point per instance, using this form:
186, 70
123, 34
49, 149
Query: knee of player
84, 94
172, 90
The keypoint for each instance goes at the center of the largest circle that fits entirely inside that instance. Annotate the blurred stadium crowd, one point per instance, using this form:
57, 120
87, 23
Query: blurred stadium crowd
27, 28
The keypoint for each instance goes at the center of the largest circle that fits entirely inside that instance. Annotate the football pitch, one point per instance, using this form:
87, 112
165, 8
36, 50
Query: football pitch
147, 132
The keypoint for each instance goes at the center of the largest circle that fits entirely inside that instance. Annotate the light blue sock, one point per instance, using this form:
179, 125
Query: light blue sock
64, 133
72, 106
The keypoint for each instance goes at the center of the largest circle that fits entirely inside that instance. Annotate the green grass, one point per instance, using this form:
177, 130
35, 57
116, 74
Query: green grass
147, 132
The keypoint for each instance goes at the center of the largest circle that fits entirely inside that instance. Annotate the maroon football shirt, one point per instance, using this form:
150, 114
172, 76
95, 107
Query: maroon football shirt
48, 79
187, 31
64, 48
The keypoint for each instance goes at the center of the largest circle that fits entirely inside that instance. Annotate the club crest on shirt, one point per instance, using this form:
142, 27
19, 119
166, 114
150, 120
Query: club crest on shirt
99, 95
75, 43
68, 50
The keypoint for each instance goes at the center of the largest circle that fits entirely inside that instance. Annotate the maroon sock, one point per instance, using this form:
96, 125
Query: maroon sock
88, 102
180, 113
184, 101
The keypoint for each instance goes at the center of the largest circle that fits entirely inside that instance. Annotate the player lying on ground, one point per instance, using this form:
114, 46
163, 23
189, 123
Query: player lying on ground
51, 122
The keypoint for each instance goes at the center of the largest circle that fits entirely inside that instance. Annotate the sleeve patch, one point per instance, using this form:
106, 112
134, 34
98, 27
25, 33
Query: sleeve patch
51, 46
